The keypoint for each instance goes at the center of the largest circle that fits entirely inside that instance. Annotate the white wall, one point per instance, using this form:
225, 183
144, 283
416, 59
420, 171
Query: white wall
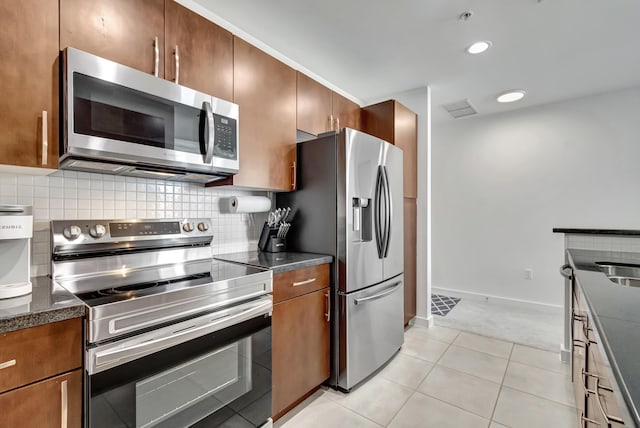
502, 182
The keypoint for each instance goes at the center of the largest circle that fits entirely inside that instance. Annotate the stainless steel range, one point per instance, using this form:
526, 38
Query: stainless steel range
173, 338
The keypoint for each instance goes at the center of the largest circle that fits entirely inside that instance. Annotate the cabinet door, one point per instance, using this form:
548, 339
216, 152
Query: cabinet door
54, 403
398, 125
406, 137
265, 90
29, 82
410, 242
36, 353
579, 353
314, 106
119, 30
300, 329
204, 58
345, 112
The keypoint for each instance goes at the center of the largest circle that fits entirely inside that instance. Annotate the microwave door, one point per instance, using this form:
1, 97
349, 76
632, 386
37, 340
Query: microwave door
116, 114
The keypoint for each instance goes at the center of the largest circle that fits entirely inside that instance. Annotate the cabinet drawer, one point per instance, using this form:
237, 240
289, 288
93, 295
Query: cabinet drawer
56, 402
36, 353
294, 283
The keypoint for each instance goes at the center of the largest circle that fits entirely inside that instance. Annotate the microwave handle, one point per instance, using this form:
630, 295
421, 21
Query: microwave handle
209, 132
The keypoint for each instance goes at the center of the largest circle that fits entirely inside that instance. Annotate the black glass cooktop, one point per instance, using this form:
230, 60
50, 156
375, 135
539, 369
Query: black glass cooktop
124, 284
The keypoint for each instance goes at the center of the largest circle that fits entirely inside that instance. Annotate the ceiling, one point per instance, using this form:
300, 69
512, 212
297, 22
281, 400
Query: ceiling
554, 49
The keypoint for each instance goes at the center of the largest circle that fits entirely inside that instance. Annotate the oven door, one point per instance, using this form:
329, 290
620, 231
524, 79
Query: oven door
117, 114
221, 378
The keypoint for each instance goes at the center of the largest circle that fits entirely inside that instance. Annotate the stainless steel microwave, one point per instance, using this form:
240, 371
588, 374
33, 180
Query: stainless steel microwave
118, 120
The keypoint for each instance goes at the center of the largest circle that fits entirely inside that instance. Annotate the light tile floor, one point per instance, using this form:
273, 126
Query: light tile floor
446, 378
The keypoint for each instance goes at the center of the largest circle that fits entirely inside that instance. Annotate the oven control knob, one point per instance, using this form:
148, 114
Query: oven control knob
97, 231
72, 232
203, 227
187, 227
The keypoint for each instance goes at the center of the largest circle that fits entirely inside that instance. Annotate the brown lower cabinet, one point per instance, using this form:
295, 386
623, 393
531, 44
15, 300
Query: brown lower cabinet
55, 402
300, 336
596, 403
41, 376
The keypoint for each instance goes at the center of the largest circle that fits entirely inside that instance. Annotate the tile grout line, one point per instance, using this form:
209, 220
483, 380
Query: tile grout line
495, 405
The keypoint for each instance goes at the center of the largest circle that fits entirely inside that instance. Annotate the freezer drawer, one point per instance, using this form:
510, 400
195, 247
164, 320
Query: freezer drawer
373, 330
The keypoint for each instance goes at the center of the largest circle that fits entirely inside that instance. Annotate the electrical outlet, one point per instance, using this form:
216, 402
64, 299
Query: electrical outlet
528, 273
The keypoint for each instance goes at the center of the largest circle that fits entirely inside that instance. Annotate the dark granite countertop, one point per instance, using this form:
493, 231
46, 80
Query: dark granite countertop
586, 231
277, 262
615, 310
45, 304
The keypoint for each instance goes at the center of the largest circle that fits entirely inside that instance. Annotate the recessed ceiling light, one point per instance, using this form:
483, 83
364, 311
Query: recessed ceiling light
479, 47
511, 96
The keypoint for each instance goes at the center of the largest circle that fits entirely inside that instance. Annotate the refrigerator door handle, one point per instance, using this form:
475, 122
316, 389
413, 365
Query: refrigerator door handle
377, 219
389, 211
386, 292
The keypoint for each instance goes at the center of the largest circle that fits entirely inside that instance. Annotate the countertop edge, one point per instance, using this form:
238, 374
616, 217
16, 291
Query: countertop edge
586, 231
312, 259
35, 319
301, 265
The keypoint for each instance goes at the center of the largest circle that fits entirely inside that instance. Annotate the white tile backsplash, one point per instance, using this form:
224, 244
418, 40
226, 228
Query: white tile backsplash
70, 195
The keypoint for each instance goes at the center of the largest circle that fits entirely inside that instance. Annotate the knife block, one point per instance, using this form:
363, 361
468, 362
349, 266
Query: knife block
269, 241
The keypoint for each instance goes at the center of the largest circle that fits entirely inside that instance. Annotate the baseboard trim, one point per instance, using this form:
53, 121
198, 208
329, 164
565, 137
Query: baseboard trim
423, 322
486, 297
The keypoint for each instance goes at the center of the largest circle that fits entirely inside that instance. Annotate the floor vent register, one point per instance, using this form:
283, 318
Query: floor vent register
442, 305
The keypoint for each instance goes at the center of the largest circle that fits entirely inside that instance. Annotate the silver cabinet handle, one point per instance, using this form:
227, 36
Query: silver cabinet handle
45, 137
156, 56
563, 271
209, 134
7, 364
328, 314
591, 421
390, 290
177, 54
294, 178
64, 409
607, 417
306, 281
338, 122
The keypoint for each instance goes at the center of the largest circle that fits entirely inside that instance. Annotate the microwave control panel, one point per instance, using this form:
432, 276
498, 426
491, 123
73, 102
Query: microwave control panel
225, 144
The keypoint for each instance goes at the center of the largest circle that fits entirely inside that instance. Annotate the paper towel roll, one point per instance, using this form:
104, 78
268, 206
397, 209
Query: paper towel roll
249, 204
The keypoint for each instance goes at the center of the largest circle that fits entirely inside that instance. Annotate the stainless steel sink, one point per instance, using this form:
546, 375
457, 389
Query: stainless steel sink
621, 274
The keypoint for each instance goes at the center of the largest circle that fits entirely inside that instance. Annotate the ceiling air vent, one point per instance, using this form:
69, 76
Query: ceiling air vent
460, 109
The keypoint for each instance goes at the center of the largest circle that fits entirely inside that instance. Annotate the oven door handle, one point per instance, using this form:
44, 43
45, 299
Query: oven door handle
105, 357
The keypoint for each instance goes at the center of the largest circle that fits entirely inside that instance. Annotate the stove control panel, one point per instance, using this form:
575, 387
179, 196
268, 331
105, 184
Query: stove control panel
78, 232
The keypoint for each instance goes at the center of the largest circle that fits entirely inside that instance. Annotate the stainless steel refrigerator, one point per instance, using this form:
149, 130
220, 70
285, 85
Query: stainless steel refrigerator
349, 204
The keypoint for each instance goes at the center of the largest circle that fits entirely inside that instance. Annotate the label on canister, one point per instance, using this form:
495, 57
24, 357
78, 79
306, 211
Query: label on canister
16, 226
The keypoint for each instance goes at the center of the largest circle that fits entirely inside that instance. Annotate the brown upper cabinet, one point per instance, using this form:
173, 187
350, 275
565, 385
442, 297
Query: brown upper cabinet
29, 82
314, 110
154, 36
265, 90
199, 53
123, 31
320, 109
346, 112
398, 125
